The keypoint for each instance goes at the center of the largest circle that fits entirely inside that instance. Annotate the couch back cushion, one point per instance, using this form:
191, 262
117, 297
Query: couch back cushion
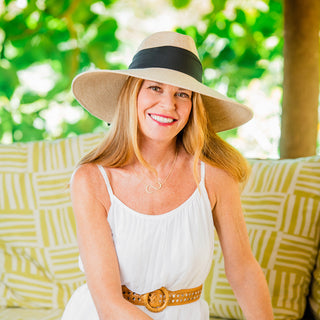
314, 298
38, 247
281, 204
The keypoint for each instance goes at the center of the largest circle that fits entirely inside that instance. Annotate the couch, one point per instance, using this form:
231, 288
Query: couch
39, 254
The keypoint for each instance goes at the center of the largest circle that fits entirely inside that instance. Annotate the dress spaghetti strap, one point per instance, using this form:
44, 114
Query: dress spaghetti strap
203, 171
106, 180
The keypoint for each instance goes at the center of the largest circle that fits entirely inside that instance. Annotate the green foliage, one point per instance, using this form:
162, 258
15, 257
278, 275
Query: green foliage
8, 81
236, 47
65, 35
239, 47
68, 37
180, 3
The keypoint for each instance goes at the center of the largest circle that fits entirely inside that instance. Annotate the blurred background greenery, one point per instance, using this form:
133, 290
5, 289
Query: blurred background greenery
45, 43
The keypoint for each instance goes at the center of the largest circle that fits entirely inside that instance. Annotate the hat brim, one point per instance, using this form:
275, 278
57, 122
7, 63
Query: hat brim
98, 92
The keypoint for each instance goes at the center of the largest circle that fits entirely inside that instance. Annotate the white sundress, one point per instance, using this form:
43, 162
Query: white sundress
172, 250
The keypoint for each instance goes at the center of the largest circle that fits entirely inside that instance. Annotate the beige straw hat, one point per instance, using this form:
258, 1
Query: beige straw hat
165, 57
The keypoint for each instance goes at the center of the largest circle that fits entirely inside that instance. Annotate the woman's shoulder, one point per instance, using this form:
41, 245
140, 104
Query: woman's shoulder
88, 191
216, 173
87, 181
218, 179
85, 173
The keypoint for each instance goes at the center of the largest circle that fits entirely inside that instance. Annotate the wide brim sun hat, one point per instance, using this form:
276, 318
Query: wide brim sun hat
165, 57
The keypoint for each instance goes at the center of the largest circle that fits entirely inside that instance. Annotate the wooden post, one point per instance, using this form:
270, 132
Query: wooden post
299, 119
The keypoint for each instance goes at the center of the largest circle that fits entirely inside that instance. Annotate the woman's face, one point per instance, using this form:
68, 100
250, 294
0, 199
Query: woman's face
163, 110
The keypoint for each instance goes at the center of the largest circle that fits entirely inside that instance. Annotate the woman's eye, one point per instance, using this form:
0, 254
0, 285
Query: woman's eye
183, 95
155, 88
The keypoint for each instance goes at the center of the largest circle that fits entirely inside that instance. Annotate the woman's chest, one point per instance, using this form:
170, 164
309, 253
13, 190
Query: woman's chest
169, 246
153, 198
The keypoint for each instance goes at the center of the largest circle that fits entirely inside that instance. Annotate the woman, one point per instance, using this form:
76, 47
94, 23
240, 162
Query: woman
147, 199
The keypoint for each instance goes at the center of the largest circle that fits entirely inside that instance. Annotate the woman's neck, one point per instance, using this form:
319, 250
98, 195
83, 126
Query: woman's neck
158, 155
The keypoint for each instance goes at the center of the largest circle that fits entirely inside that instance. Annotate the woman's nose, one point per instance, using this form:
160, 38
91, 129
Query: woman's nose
168, 101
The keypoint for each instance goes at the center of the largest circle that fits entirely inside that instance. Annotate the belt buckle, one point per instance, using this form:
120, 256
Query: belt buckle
156, 300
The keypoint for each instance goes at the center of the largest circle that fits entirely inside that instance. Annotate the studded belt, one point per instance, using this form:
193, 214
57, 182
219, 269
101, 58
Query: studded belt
158, 300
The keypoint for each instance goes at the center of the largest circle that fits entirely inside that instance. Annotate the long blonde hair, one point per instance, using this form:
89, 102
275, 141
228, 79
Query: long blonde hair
198, 138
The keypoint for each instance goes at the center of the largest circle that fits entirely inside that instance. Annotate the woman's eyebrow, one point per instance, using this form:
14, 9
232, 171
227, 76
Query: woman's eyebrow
155, 82
161, 84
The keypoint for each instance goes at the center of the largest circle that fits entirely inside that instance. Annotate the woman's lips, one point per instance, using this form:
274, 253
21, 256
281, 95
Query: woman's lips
162, 119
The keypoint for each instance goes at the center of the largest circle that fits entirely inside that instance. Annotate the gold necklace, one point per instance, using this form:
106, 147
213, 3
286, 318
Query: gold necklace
150, 188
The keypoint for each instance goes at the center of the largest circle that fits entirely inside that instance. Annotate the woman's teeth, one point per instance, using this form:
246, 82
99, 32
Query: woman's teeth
161, 119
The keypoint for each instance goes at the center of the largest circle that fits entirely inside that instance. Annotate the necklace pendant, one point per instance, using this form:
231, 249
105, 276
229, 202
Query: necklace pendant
151, 188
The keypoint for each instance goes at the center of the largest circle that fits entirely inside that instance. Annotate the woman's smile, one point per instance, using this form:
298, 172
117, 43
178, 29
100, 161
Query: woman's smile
162, 120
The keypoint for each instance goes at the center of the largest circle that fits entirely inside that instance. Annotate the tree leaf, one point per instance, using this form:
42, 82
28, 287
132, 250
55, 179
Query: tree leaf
218, 5
8, 81
179, 4
29, 97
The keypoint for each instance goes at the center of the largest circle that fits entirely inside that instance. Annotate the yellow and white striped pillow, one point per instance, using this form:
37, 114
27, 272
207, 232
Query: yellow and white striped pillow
38, 247
30, 314
314, 298
281, 203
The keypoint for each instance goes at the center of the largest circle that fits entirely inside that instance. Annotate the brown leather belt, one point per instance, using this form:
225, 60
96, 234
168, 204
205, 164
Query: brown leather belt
158, 300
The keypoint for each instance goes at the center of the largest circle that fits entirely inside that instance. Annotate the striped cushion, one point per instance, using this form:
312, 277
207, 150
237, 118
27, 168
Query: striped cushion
281, 205
38, 248
30, 314
314, 298
37, 314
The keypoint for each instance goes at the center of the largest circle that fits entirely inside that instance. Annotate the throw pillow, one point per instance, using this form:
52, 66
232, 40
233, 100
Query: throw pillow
314, 298
281, 204
38, 246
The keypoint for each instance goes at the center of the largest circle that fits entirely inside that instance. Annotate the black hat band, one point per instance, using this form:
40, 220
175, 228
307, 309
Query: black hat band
168, 57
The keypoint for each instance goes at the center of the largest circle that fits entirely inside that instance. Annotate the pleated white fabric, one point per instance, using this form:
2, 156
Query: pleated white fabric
172, 250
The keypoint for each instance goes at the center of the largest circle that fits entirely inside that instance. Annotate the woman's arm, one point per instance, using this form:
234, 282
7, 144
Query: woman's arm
90, 203
242, 270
